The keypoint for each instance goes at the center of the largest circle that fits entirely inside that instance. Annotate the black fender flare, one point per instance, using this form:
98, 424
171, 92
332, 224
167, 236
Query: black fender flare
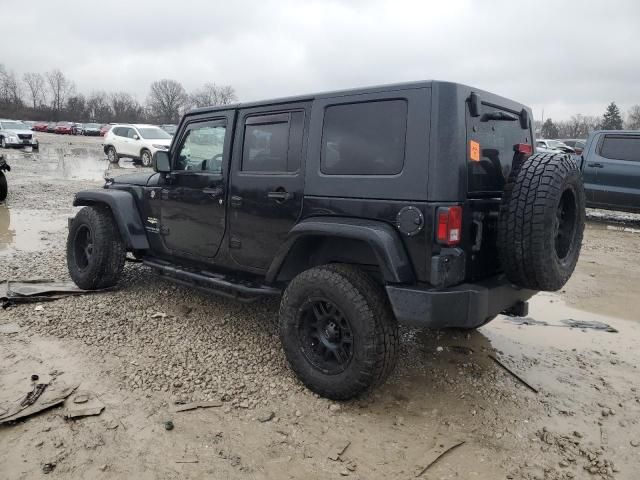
125, 212
381, 237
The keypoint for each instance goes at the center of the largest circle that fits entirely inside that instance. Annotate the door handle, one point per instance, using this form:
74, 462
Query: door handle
595, 165
214, 192
280, 195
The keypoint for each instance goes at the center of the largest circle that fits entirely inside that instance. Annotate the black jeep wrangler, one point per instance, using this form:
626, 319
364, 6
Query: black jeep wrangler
418, 203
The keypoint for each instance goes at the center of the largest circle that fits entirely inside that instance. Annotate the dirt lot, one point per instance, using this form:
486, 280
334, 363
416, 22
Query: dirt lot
150, 346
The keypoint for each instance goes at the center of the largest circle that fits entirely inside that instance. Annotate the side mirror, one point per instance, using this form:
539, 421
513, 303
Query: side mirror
161, 162
136, 137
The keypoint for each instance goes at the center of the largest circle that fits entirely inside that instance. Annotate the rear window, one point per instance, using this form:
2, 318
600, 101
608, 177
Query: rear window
621, 148
364, 138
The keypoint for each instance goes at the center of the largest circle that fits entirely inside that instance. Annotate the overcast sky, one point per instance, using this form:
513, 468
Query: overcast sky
564, 56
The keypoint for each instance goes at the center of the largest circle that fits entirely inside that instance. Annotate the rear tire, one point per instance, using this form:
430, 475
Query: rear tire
541, 222
112, 155
338, 331
4, 188
95, 251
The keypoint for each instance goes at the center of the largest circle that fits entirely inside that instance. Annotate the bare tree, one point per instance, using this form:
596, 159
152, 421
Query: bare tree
9, 89
76, 107
579, 126
36, 88
166, 100
125, 108
61, 87
98, 108
633, 118
211, 95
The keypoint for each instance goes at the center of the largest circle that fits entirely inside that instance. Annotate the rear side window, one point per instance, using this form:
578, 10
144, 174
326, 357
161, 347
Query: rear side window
364, 138
621, 148
272, 143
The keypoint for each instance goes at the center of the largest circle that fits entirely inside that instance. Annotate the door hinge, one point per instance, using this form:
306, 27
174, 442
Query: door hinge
235, 243
236, 201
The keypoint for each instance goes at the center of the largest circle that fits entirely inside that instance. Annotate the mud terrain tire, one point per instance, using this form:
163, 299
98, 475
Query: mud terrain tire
95, 252
4, 188
541, 222
364, 320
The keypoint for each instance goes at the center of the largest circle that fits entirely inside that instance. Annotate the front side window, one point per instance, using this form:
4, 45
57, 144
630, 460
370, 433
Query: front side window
621, 148
202, 149
364, 138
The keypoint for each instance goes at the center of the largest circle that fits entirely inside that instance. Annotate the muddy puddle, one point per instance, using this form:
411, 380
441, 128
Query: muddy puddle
27, 229
73, 163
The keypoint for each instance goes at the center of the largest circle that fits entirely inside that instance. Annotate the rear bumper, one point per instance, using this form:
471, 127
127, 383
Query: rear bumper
468, 305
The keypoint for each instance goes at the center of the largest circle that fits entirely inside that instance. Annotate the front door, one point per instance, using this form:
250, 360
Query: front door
266, 188
192, 217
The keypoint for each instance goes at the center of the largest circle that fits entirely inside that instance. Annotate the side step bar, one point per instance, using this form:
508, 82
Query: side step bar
242, 290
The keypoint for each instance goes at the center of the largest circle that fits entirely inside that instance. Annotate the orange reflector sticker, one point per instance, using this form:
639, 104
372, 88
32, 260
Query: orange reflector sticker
474, 151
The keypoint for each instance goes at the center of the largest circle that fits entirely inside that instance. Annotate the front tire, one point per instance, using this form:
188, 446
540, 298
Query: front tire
145, 158
338, 331
3, 143
112, 155
4, 188
95, 251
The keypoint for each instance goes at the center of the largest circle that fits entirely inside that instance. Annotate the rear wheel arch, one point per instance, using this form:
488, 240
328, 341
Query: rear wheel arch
373, 245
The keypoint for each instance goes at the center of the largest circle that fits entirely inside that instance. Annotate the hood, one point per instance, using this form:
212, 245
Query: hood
19, 131
133, 179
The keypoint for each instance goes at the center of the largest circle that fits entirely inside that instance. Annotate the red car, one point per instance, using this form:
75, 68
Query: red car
40, 127
64, 128
104, 129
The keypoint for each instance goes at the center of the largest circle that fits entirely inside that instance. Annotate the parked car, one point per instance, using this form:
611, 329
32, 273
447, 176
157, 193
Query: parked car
169, 128
576, 143
40, 127
552, 146
16, 134
138, 142
51, 127
91, 129
64, 128
105, 128
77, 128
610, 167
29, 123
361, 209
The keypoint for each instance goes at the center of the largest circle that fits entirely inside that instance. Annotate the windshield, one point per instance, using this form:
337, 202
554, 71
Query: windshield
92, 125
556, 144
153, 133
14, 126
170, 129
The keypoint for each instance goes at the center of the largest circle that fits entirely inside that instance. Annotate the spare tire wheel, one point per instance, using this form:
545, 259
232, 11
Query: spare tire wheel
541, 222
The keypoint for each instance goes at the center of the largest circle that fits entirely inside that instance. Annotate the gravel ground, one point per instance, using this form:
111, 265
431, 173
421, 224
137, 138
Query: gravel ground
149, 345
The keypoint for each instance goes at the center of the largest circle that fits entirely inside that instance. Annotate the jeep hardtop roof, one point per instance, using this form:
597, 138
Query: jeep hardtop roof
462, 90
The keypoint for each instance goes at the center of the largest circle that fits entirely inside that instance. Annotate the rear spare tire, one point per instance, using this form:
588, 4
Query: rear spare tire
541, 222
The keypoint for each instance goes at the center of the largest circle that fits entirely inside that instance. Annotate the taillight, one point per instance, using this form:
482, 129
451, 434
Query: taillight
524, 148
449, 226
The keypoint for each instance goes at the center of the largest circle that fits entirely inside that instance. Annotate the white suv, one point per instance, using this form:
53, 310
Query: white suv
138, 142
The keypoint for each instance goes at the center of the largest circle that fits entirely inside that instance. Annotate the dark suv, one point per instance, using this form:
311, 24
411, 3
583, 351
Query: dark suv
418, 203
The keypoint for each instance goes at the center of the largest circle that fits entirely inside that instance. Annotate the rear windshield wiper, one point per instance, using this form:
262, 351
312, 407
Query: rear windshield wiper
498, 116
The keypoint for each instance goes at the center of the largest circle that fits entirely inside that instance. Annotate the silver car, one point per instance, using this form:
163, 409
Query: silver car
16, 134
552, 146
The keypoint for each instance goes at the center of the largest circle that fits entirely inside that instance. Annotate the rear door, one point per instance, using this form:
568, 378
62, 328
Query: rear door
266, 188
617, 162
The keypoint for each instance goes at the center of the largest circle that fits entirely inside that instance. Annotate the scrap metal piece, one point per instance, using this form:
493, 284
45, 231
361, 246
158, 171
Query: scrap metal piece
52, 397
513, 374
437, 453
194, 405
33, 395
